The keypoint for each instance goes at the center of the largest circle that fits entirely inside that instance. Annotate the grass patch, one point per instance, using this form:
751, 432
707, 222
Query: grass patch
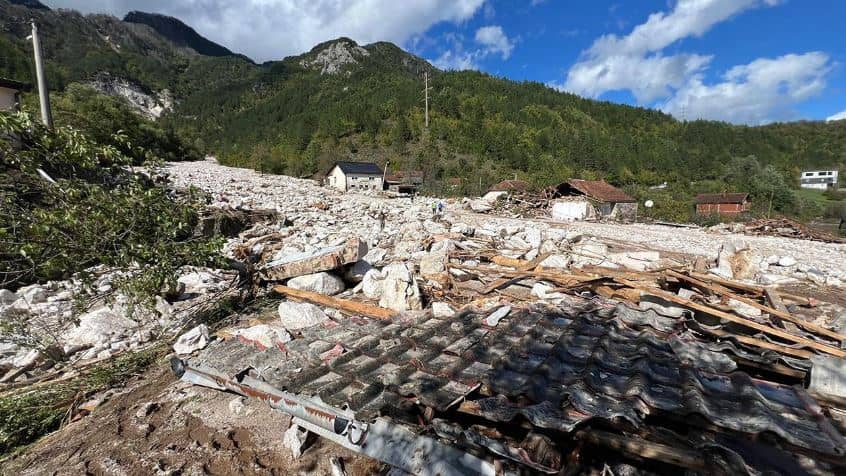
29, 414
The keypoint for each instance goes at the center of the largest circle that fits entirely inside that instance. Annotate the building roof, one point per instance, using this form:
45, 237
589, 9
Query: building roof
509, 185
713, 198
412, 176
358, 168
598, 190
12, 84
554, 368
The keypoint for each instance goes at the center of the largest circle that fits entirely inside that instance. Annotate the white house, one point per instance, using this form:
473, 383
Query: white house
355, 176
819, 179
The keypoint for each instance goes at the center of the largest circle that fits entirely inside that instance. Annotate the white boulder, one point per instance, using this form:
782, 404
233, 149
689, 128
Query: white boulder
442, 309
192, 341
299, 315
322, 283
399, 290
265, 335
100, 326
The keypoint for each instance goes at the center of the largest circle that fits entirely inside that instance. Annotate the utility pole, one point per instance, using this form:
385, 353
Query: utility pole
426, 95
43, 93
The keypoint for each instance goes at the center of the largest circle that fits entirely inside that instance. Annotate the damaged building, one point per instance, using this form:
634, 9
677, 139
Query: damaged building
578, 199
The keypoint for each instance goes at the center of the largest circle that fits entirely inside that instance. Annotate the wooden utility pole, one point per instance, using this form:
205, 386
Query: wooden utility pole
426, 95
43, 93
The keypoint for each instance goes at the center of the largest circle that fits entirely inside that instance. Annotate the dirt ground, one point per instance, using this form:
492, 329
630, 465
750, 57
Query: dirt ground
158, 425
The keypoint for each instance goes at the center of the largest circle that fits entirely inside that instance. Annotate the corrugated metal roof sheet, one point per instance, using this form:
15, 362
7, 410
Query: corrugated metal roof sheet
555, 368
711, 198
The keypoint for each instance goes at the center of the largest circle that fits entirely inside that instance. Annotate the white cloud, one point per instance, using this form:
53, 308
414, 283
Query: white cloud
489, 39
762, 91
634, 62
840, 116
495, 40
272, 29
455, 60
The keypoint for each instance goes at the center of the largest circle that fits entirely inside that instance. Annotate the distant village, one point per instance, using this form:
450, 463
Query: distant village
575, 199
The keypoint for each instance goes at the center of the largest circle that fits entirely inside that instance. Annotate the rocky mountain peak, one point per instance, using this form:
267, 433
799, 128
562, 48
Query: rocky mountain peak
332, 56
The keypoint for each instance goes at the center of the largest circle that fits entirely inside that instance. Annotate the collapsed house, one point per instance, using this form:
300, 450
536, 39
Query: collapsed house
579, 199
404, 182
633, 371
504, 188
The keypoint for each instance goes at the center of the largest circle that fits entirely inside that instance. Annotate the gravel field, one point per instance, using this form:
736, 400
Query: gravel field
247, 188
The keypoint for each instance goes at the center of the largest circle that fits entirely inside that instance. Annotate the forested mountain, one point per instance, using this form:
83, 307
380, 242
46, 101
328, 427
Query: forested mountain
342, 100
178, 33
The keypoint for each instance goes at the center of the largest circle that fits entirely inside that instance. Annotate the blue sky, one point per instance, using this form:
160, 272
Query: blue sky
743, 61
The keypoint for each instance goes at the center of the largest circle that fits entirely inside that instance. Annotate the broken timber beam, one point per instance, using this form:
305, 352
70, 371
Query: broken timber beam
667, 296
325, 259
749, 288
751, 302
352, 307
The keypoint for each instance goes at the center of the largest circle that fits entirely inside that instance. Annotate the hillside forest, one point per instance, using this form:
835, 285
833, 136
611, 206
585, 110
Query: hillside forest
296, 117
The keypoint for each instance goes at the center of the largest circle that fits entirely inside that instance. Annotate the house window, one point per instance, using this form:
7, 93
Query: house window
809, 174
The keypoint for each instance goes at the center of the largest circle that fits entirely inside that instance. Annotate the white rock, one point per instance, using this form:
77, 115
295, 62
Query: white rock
744, 309
442, 309
494, 317
192, 341
399, 290
770, 278
104, 324
772, 259
236, 405
816, 277
556, 261
433, 263
545, 292
636, 260
322, 283
27, 359
787, 261
294, 439
375, 256
34, 294
372, 284
299, 315
7, 297
265, 335
832, 281
480, 206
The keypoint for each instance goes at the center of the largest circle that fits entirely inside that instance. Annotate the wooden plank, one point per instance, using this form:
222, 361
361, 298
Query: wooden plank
763, 344
750, 288
775, 299
751, 302
353, 307
734, 318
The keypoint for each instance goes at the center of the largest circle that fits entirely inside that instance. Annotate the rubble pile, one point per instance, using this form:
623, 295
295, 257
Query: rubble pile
790, 229
437, 332
454, 343
59, 336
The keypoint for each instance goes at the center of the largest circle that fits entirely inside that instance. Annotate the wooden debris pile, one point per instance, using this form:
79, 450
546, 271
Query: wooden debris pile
788, 228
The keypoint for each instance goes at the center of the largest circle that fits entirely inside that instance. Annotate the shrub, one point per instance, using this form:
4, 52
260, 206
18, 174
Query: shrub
68, 203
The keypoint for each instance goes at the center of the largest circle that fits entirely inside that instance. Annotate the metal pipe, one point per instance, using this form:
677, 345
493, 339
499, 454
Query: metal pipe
315, 413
